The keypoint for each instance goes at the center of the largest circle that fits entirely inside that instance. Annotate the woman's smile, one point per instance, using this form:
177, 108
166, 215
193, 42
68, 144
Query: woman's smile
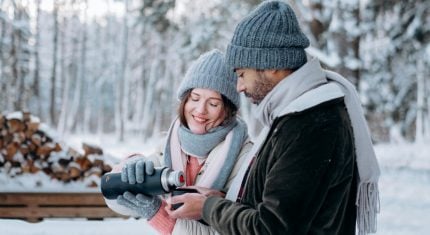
204, 110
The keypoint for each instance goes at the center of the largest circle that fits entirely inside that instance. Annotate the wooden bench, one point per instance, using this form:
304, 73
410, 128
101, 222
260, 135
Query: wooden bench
34, 207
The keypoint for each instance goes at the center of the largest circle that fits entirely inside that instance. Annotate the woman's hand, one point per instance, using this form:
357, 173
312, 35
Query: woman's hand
136, 170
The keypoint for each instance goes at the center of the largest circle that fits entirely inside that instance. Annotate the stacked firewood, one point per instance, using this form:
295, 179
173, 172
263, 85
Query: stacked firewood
26, 148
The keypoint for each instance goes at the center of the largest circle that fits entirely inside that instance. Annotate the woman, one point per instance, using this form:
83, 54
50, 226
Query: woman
207, 142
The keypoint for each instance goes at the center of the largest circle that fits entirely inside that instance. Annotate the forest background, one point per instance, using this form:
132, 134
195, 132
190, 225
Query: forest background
107, 71
113, 67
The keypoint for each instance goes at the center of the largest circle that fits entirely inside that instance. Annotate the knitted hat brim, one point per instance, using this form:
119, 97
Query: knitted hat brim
210, 71
265, 58
206, 81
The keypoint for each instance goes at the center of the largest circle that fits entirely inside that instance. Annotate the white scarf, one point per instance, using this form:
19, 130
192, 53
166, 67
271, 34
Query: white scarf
218, 166
368, 168
308, 87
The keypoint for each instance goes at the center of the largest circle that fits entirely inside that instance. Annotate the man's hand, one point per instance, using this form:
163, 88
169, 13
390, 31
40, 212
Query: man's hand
191, 209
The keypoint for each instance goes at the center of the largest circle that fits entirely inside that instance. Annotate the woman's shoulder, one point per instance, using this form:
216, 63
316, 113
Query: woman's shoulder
246, 146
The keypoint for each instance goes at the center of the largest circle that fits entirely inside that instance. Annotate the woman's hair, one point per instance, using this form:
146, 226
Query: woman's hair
229, 108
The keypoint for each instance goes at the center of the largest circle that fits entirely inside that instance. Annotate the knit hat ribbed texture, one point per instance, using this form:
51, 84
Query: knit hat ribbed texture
210, 71
268, 38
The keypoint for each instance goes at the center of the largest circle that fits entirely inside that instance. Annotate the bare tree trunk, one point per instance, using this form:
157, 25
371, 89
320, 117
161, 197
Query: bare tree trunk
354, 50
52, 108
107, 66
75, 114
121, 114
83, 70
148, 116
65, 81
70, 108
139, 99
14, 53
15, 71
422, 132
3, 62
16, 65
36, 80
355, 46
22, 55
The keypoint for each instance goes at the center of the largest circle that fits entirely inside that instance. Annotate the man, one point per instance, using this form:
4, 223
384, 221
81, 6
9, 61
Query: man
314, 161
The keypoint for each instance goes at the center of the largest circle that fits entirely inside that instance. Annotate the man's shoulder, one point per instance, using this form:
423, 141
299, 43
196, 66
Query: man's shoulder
321, 114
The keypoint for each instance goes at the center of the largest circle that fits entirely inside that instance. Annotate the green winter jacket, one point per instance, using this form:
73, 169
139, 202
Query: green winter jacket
303, 180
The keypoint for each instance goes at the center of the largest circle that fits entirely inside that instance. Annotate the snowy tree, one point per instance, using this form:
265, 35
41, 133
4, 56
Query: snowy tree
15, 54
150, 66
376, 45
119, 72
392, 52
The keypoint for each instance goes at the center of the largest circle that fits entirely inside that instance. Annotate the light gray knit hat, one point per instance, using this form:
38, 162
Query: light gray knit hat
268, 38
209, 71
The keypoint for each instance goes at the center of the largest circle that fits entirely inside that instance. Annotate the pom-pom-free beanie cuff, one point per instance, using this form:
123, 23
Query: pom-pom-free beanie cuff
265, 58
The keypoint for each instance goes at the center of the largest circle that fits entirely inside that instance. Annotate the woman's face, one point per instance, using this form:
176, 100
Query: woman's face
204, 110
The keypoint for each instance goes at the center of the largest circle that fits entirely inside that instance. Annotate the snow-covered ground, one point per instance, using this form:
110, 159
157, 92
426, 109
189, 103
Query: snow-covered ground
76, 227
404, 189
404, 192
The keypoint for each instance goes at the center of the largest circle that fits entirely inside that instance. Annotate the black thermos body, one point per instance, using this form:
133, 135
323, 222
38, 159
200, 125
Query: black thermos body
163, 180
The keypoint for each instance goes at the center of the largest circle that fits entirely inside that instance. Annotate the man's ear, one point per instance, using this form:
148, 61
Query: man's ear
270, 72
273, 71
279, 74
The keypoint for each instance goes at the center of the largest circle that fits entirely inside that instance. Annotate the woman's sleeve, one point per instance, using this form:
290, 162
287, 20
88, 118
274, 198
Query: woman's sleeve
192, 227
161, 221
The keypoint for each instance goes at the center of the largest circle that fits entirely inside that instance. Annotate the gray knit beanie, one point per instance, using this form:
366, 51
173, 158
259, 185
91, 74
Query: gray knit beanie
268, 38
209, 71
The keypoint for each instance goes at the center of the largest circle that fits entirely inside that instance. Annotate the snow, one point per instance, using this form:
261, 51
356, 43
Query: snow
405, 201
389, 52
117, 149
40, 182
415, 157
19, 116
76, 227
404, 191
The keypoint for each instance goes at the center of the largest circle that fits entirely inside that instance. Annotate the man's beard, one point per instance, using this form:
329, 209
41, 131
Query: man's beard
262, 87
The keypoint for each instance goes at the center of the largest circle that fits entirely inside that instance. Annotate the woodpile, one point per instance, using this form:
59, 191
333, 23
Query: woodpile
26, 148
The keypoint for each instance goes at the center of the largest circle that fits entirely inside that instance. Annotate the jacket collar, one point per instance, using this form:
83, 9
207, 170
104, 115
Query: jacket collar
303, 89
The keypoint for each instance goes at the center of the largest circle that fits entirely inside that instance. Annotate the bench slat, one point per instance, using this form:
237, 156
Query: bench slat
36, 206
51, 199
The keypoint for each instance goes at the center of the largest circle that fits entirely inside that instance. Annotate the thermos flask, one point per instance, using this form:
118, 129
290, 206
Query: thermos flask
163, 180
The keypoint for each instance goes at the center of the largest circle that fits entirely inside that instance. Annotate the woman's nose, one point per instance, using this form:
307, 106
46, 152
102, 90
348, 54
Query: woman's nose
201, 107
